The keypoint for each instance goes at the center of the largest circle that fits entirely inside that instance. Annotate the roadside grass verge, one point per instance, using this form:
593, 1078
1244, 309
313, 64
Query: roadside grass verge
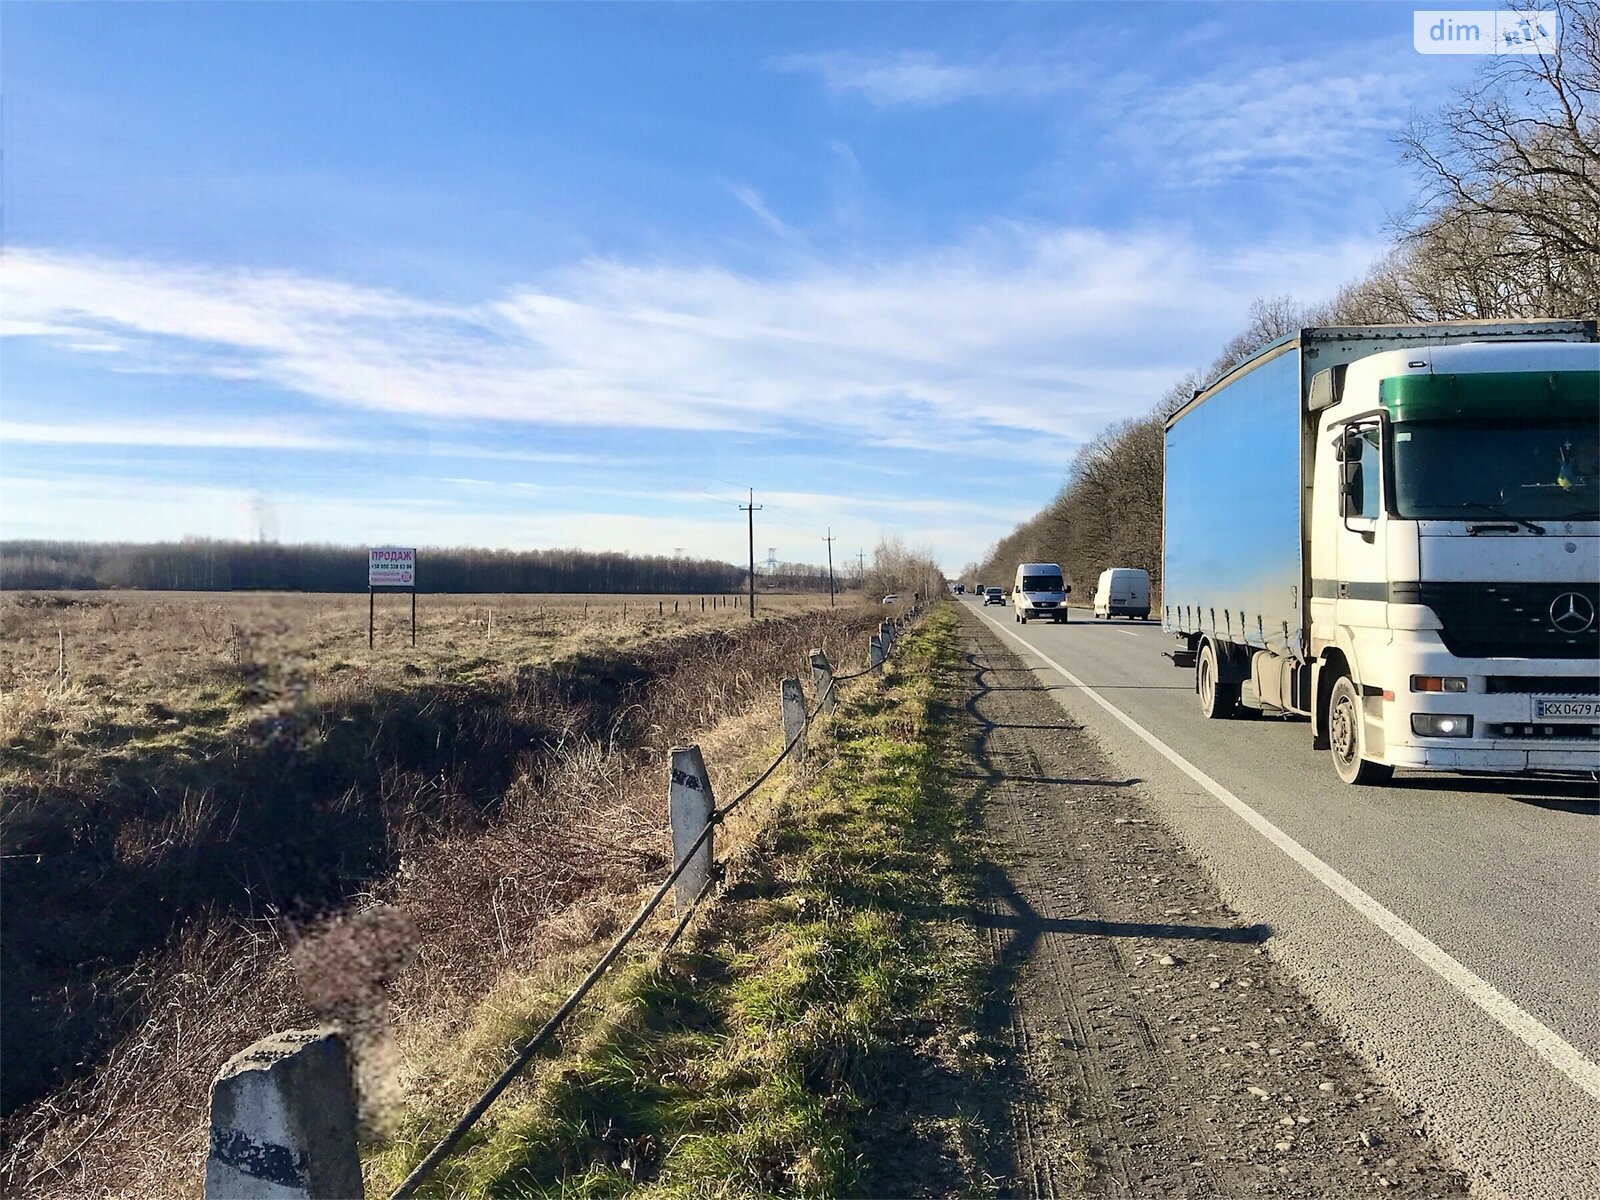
816, 1036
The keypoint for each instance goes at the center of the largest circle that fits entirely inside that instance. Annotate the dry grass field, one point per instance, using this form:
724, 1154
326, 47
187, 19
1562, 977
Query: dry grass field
221, 773
172, 671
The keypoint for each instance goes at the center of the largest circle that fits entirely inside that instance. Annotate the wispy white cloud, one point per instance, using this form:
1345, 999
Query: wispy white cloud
751, 199
1224, 118
261, 436
921, 79
1016, 338
1327, 117
200, 433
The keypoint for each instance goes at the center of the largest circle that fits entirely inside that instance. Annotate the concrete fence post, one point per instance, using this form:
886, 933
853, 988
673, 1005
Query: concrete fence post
690, 804
794, 717
822, 680
283, 1121
874, 651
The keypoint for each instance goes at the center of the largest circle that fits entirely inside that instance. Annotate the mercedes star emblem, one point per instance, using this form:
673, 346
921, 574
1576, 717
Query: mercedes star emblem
1571, 613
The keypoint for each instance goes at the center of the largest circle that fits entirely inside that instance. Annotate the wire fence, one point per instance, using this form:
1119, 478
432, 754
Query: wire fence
446, 1145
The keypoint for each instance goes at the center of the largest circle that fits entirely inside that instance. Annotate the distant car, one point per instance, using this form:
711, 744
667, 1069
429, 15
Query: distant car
891, 598
993, 596
979, 590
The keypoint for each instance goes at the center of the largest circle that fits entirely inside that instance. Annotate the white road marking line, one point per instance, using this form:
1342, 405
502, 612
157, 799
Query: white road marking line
1540, 1038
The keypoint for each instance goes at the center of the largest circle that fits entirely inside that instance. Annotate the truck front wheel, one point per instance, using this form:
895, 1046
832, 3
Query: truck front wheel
1347, 737
1218, 700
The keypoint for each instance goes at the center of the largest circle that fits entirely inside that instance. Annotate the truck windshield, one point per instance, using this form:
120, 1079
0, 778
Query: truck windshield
1041, 583
1464, 470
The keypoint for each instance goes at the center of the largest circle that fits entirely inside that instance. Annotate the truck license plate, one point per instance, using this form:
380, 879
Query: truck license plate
1549, 707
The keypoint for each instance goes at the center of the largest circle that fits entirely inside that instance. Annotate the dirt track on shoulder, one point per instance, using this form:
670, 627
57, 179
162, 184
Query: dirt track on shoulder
1147, 1044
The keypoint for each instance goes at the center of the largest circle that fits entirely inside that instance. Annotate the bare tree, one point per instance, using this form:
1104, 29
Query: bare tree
1508, 219
1269, 318
903, 571
1179, 394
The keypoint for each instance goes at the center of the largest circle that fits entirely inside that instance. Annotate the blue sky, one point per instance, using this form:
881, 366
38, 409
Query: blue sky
559, 275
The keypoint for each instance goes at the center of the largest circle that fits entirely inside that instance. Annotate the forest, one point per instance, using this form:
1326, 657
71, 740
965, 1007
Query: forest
205, 565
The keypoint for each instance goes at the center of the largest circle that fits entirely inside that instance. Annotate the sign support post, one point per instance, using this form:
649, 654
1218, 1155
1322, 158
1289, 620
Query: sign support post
390, 566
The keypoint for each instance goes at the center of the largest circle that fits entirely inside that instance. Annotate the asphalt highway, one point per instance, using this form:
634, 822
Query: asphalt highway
1448, 925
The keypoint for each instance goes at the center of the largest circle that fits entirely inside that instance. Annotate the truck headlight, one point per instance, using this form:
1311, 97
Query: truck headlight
1438, 683
1441, 725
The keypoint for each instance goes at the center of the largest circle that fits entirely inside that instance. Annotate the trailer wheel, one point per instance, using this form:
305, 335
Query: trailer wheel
1347, 737
1218, 700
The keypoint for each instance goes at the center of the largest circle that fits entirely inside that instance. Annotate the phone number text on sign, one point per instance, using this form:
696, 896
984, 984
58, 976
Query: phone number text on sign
391, 566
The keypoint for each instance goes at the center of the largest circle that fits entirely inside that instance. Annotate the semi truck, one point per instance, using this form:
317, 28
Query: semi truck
1395, 532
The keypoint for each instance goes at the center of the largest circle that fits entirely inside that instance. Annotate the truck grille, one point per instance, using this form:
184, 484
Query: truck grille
1546, 733
1541, 685
1516, 620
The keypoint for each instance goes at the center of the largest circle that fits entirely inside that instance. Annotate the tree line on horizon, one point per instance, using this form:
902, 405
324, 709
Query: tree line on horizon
204, 565
1505, 225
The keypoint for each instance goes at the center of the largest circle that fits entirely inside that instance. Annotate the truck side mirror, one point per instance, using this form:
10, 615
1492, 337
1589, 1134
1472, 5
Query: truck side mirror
1351, 489
1347, 447
1067, 591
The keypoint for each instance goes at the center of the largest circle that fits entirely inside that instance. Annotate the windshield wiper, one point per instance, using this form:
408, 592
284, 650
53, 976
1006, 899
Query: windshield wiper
1496, 511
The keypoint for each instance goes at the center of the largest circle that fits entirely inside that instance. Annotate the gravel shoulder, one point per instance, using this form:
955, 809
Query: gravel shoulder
1145, 1042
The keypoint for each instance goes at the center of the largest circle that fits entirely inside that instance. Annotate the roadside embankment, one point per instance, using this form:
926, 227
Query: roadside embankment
376, 856
814, 1034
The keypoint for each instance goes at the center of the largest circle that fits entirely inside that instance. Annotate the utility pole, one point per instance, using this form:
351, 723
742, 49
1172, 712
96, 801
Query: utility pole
829, 540
861, 568
752, 508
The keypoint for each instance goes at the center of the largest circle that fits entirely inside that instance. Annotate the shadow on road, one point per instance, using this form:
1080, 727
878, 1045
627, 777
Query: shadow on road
1558, 793
1029, 925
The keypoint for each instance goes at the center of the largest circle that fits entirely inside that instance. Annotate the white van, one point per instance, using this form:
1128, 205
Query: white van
1040, 591
1123, 592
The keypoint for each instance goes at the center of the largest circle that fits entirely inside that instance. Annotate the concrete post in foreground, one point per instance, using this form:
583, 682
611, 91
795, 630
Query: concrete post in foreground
874, 651
689, 804
283, 1121
794, 717
822, 680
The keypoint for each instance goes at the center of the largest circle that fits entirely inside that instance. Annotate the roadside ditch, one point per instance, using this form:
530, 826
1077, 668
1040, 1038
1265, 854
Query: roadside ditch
431, 839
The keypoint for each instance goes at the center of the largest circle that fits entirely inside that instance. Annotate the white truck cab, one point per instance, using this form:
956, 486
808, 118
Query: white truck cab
1455, 559
1041, 591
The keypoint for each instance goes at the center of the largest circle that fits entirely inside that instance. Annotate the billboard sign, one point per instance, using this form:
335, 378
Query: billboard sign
391, 566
